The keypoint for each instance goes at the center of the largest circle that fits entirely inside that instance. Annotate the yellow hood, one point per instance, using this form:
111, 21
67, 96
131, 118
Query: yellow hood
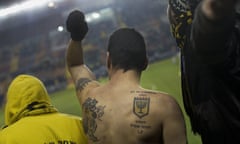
26, 96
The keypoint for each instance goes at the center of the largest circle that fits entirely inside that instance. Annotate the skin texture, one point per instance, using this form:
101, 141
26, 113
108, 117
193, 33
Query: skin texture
121, 111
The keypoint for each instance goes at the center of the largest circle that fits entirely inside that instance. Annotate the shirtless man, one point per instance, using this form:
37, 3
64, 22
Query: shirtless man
121, 111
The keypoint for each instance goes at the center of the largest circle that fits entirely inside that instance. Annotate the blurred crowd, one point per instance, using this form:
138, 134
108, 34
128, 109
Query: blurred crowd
42, 55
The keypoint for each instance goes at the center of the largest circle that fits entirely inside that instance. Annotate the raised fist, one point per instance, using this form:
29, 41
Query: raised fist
77, 25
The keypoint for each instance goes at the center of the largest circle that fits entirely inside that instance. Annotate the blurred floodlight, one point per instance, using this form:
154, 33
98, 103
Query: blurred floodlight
95, 15
88, 19
24, 6
60, 28
106, 13
51, 4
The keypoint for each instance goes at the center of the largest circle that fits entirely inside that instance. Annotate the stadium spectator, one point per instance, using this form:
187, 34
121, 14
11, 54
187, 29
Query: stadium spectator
121, 111
31, 119
209, 38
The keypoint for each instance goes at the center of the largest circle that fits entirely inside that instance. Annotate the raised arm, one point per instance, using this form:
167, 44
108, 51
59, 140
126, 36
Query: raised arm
75, 62
79, 72
212, 28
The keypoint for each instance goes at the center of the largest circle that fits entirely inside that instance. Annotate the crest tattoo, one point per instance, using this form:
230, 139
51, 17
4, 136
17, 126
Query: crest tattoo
141, 106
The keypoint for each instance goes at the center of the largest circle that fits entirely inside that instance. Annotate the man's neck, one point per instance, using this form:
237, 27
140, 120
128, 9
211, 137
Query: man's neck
121, 77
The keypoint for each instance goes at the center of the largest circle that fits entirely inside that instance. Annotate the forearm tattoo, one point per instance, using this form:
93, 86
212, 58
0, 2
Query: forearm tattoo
82, 83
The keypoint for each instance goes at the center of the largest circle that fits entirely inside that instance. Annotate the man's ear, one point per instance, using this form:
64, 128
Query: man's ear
145, 64
108, 61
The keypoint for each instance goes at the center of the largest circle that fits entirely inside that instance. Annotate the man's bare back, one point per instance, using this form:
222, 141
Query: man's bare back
121, 111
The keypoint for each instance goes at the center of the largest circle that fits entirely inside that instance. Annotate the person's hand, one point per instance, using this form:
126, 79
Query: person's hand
76, 25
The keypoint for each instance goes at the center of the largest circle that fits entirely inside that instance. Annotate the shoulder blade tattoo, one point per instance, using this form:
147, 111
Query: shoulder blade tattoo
92, 113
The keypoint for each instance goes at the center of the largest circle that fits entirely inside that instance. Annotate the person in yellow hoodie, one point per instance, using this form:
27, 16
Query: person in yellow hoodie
30, 118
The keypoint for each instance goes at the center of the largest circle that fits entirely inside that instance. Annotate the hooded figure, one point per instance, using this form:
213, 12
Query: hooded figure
30, 117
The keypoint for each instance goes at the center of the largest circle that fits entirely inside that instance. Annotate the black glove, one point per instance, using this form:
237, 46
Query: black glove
77, 25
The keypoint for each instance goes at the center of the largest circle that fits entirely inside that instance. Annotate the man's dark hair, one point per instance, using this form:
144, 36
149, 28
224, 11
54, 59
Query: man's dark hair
127, 50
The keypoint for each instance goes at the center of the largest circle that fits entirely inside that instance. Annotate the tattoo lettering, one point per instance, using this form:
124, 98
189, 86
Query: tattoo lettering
143, 93
81, 83
92, 112
140, 126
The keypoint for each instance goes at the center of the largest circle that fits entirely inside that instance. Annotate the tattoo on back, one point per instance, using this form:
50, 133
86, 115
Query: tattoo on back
141, 107
92, 112
141, 103
81, 83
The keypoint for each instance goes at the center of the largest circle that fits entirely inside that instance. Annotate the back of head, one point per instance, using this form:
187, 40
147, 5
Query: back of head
24, 92
127, 50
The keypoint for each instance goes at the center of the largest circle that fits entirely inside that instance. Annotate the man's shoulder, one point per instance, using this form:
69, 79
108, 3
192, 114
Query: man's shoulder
165, 101
161, 99
161, 95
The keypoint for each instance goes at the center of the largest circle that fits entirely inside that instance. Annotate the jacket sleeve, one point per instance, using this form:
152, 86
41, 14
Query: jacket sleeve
209, 38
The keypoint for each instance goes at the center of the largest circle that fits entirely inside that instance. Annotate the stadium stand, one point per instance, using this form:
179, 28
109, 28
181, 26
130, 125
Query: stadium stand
37, 47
